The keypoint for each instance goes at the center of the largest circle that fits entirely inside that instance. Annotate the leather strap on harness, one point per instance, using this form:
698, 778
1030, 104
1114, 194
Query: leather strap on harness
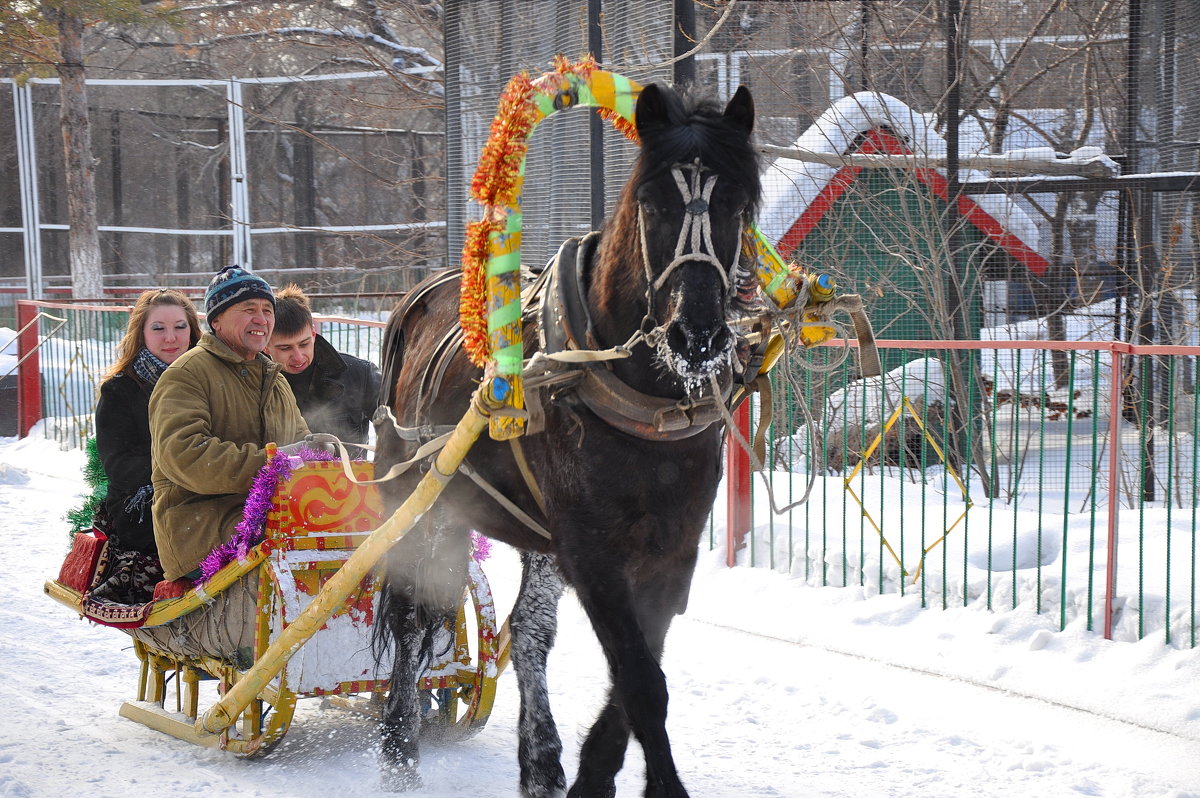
527, 473
570, 362
565, 326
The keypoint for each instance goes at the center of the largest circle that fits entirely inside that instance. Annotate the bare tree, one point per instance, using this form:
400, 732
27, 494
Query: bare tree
48, 36
983, 77
87, 279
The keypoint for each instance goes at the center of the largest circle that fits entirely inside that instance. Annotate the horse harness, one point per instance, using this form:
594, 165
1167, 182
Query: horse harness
570, 366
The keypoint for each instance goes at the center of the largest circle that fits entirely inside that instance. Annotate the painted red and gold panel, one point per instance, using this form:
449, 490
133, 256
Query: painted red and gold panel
319, 499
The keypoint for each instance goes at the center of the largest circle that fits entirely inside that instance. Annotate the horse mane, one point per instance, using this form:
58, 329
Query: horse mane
696, 128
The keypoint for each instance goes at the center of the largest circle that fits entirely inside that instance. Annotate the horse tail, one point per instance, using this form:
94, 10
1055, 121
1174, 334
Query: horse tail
389, 621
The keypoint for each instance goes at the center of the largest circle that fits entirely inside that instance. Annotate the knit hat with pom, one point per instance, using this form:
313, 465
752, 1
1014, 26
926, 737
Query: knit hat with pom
231, 285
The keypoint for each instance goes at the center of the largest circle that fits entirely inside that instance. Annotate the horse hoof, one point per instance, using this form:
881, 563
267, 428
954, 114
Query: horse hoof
400, 782
396, 777
558, 790
606, 791
663, 791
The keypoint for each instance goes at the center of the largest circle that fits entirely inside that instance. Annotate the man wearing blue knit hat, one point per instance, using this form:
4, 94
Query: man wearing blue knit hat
212, 414
253, 303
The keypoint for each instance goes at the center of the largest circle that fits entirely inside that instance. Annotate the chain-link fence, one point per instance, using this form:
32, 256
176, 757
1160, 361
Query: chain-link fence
576, 165
323, 180
974, 170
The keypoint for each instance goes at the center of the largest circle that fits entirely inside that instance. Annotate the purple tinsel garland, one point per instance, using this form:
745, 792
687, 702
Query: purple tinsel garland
249, 532
481, 547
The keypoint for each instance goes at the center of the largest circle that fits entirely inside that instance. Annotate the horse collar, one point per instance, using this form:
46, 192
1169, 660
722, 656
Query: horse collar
565, 324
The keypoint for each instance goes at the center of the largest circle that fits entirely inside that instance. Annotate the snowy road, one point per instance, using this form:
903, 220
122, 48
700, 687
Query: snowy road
750, 715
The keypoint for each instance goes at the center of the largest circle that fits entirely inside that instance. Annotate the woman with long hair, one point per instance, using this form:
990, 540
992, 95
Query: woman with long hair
162, 326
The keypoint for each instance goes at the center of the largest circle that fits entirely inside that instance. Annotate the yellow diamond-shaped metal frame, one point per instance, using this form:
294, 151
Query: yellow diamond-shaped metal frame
904, 405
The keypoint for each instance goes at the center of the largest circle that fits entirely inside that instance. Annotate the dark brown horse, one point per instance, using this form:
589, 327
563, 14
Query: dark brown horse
623, 457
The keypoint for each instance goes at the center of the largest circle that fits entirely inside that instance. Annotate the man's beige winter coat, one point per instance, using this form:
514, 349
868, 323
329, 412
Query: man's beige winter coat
211, 415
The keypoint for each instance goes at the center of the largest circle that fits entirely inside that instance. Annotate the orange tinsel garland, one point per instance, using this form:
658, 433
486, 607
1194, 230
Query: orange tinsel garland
496, 186
493, 186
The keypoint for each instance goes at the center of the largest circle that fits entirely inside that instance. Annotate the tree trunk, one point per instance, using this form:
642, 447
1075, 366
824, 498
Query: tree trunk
87, 279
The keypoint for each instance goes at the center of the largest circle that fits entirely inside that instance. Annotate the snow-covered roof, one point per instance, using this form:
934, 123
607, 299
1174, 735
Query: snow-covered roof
790, 187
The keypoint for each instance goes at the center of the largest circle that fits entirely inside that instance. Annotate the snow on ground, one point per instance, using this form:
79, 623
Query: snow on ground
777, 689
8, 351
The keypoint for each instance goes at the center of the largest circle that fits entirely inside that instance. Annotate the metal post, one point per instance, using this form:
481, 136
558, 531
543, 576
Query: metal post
738, 509
304, 188
684, 40
239, 188
457, 180
27, 169
596, 126
116, 191
864, 45
952, 219
29, 374
1114, 466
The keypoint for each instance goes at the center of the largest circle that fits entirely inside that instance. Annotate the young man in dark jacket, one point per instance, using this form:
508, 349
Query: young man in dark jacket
337, 393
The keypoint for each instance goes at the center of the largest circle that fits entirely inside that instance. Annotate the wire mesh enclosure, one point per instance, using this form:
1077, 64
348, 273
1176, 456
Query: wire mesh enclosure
976, 170
1043, 154
576, 164
325, 180
1038, 92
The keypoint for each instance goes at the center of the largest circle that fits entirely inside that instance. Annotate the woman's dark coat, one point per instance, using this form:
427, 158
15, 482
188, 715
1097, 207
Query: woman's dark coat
123, 443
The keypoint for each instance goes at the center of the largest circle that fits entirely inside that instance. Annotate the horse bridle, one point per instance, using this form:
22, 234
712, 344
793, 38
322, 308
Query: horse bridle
695, 235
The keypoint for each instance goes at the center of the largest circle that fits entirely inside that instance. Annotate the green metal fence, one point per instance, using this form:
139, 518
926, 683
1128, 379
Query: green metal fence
997, 483
1059, 477
71, 347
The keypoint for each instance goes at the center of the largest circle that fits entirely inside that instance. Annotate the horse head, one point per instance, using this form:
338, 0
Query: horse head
697, 188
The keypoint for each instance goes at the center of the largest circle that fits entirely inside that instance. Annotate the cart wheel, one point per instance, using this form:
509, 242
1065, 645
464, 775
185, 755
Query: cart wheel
457, 694
262, 724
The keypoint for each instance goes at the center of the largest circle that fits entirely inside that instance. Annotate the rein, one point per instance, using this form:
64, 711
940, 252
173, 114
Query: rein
570, 362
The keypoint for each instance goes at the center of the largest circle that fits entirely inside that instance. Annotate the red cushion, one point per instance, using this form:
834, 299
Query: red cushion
79, 570
171, 590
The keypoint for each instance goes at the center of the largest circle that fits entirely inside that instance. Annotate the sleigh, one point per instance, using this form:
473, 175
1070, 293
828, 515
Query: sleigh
317, 519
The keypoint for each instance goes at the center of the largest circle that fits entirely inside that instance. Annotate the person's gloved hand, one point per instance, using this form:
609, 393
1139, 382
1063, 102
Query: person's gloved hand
318, 441
322, 442
292, 449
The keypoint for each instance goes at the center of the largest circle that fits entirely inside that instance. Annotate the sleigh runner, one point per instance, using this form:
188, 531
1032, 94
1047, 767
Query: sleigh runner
318, 517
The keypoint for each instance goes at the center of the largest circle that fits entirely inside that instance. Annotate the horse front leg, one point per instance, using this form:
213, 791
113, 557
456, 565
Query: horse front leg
534, 626
638, 700
602, 754
657, 602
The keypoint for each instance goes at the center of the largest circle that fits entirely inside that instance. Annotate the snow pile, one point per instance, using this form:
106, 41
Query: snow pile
872, 399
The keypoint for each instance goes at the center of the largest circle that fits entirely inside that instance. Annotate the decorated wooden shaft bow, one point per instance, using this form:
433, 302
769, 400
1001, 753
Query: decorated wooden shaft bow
490, 301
